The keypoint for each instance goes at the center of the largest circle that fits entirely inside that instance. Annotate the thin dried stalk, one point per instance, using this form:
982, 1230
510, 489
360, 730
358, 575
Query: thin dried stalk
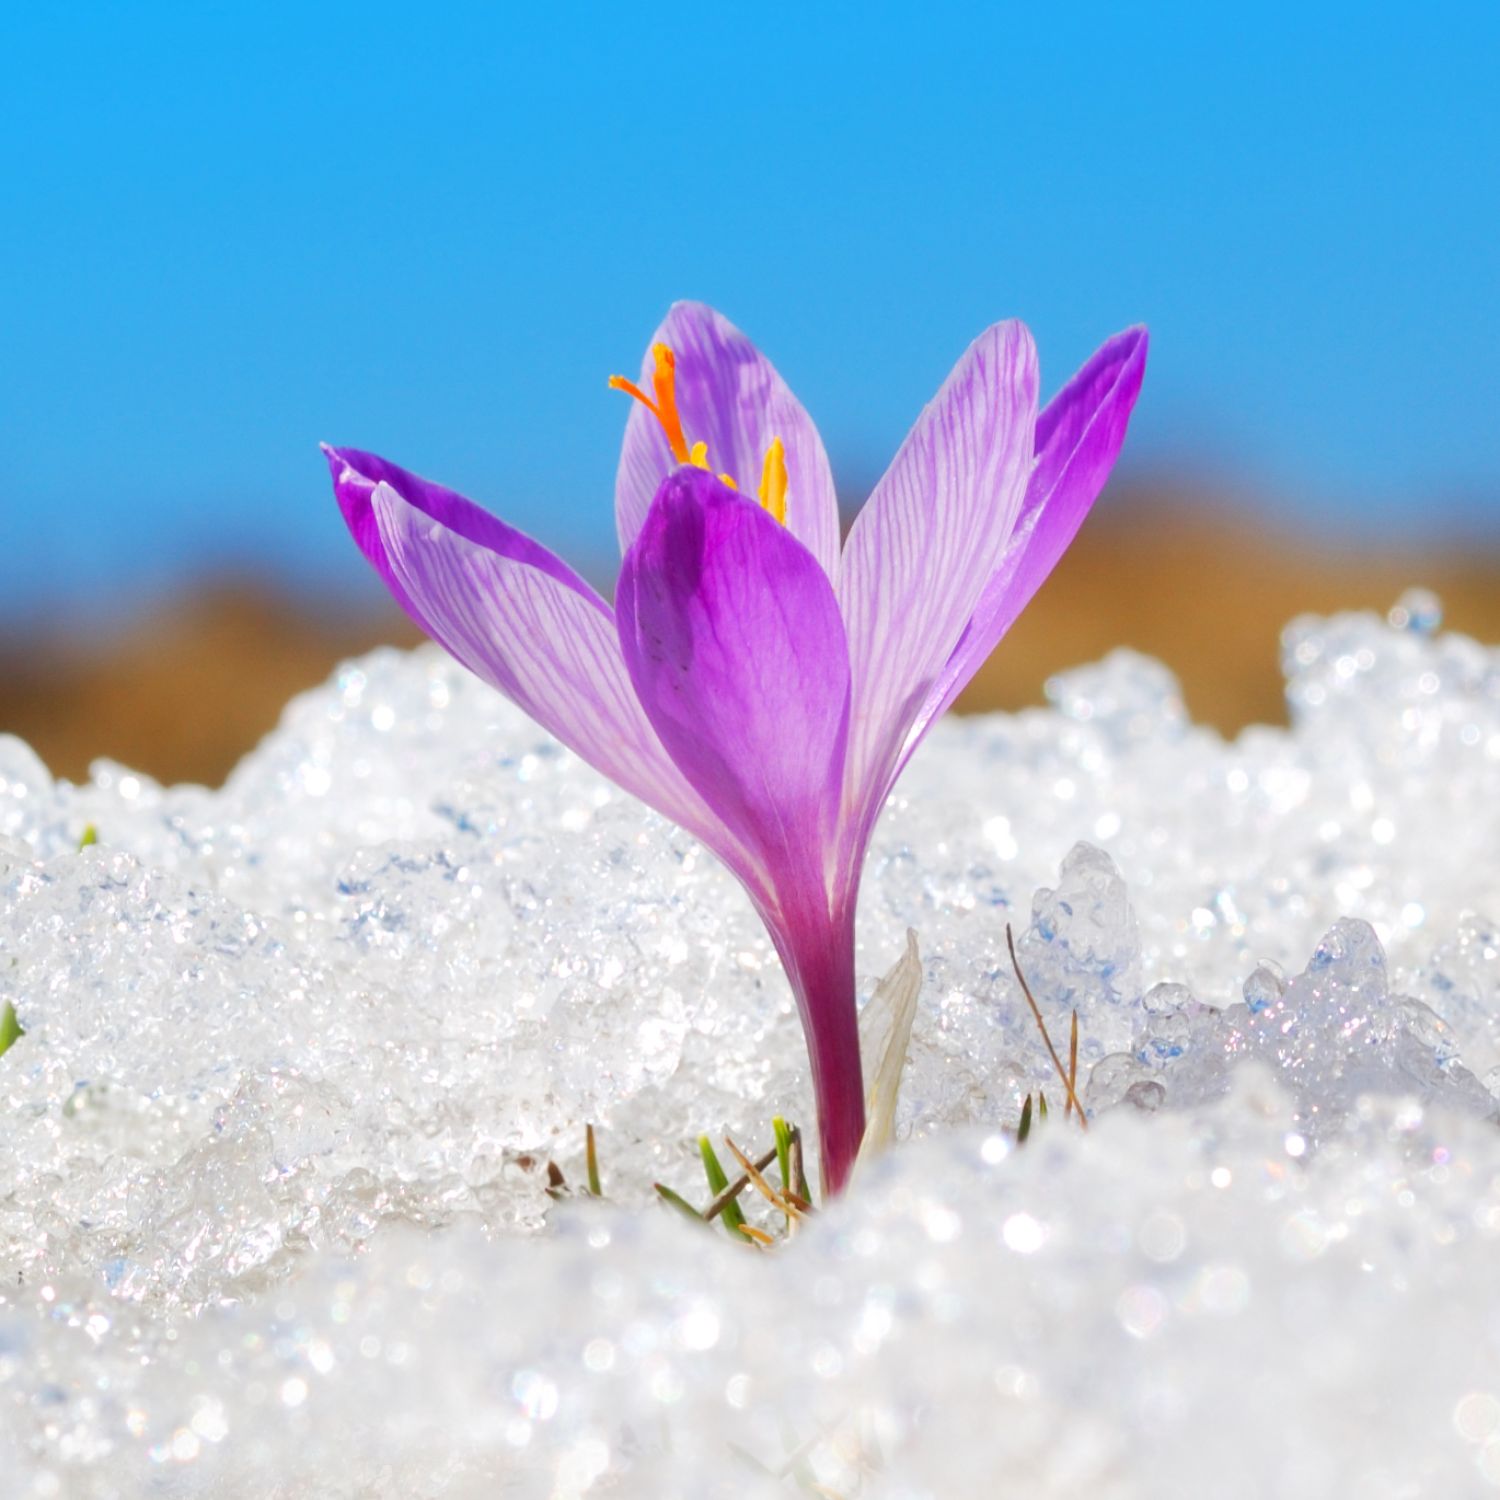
753, 1171
1072, 1069
739, 1184
1067, 1081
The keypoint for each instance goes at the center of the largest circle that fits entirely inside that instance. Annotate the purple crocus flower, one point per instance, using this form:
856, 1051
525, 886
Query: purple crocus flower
756, 682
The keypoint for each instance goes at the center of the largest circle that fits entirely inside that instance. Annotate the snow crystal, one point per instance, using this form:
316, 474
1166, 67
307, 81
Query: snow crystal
274, 1173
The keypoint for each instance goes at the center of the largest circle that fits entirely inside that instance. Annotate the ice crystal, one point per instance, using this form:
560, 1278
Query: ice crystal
274, 1215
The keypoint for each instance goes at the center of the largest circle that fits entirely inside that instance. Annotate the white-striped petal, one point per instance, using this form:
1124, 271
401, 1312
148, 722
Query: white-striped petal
923, 548
549, 648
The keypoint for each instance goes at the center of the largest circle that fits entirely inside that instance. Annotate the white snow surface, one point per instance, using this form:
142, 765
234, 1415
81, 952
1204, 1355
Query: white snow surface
273, 1208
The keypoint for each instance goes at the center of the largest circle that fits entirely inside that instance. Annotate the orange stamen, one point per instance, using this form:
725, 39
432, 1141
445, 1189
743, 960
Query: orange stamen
773, 481
664, 408
773, 478
619, 383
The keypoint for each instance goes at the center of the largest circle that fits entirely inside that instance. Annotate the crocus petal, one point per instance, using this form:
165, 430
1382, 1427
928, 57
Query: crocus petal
731, 398
1078, 438
884, 1042
355, 478
549, 647
733, 639
922, 549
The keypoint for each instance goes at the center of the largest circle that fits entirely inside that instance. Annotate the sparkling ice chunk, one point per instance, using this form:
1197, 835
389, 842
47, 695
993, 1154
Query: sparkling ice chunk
274, 1208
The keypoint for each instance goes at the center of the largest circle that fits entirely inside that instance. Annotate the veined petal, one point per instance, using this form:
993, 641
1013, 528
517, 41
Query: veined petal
1078, 438
549, 647
922, 549
731, 399
355, 478
733, 639
884, 1042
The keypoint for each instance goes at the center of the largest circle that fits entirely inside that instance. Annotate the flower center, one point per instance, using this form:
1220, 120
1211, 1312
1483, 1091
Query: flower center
773, 478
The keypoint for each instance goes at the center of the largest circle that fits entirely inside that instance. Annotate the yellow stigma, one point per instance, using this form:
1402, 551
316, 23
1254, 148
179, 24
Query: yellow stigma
773, 481
664, 409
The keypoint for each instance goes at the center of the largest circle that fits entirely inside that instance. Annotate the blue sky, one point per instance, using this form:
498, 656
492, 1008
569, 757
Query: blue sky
434, 230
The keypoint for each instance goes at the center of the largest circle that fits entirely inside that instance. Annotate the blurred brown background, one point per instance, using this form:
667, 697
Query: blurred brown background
210, 267
183, 691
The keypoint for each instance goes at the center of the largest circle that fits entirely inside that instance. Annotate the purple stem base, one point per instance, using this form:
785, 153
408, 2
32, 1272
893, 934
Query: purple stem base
817, 949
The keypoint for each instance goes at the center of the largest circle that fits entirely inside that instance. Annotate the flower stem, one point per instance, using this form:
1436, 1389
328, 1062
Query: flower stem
817, 948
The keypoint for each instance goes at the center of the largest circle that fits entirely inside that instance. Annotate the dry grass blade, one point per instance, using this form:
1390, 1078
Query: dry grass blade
1072, 1068
757, 1236
753, 1171
1062, 1072
739, 1184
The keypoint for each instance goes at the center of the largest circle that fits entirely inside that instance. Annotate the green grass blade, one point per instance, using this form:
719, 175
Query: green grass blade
678, 1202
732, 1215
784, 1152
591, 1154
1024, 1128
1041, 1100
10, 1028
712, 1168
90, 836
804, 1192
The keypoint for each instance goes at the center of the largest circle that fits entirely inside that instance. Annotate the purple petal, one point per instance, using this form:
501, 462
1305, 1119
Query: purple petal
922, 549
518, 624
355, 478
733, 639
1078, 438
730, 397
